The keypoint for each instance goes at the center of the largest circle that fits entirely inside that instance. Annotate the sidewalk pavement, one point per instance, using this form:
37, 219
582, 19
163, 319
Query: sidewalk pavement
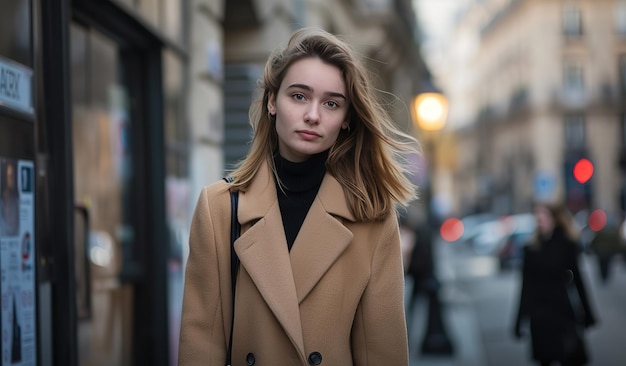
462, 327
478, 327
459, 318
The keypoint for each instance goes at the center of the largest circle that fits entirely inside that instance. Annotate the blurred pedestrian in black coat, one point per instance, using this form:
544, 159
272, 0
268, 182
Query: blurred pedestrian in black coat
606, 244
416, 238
420, 265
551, 264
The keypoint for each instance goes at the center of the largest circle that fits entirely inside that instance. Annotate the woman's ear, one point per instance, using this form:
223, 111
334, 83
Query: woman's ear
271, 103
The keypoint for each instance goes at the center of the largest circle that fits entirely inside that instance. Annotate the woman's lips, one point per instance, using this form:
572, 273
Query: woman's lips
308, 135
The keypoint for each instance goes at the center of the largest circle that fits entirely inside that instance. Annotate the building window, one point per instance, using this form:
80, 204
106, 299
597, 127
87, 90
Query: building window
620, 17
572, 21
575, 131
573, 76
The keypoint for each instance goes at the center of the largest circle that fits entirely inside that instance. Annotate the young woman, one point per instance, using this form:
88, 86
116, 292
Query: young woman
320, 279
553, 296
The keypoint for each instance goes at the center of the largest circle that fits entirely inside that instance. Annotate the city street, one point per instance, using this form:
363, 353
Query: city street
480, 304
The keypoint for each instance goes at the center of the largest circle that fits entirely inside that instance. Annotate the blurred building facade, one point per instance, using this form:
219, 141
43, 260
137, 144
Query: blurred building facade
534, 86
383, 32
124, 110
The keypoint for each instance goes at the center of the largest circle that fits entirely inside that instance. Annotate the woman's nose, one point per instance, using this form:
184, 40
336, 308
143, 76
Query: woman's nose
312, 115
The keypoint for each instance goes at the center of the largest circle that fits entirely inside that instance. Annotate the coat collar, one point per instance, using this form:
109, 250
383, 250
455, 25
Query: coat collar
285, 278
261, 195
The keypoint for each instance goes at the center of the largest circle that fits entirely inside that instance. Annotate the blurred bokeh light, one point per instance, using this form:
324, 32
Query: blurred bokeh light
452, 230
597, 220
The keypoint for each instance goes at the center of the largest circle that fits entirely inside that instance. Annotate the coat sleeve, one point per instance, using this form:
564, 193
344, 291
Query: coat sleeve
202, 340
379, 335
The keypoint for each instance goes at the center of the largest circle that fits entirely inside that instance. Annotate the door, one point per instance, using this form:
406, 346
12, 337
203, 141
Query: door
105, 228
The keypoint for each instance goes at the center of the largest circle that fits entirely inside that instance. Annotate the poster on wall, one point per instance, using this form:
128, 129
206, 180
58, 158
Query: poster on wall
17, 263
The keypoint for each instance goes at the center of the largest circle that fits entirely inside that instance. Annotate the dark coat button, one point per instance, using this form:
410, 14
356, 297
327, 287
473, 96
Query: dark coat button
250, 360
315, 358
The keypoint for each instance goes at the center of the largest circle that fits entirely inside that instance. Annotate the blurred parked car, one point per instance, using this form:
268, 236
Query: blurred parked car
472, 226
492, 235
488, 235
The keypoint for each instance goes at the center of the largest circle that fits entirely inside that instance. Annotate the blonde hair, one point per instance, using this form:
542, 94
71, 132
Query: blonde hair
368, 158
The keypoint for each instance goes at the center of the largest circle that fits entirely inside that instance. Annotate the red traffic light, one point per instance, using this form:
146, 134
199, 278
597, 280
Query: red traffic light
583, 170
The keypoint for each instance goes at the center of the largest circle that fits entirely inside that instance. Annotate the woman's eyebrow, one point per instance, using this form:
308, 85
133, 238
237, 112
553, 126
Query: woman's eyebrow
308, 88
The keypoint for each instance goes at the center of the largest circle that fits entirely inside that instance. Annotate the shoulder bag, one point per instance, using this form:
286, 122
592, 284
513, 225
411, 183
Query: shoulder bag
573, 338
235, 229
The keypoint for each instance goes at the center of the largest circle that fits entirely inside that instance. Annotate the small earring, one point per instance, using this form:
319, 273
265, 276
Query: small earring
348, 128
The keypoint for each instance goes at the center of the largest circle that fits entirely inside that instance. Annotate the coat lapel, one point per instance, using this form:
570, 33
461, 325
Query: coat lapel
284, 279
262, 251
321, 240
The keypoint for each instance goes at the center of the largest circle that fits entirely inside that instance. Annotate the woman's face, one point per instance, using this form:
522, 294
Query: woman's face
310, 107
545, 221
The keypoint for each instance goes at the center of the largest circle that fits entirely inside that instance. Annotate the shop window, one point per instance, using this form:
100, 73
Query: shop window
176, 127
177, 184
575, 131
572, 20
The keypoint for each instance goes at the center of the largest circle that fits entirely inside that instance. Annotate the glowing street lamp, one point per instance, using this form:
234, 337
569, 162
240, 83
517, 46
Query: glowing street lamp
430, 111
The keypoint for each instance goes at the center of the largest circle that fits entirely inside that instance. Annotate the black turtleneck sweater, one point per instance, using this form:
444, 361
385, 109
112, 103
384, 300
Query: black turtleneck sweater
301, 181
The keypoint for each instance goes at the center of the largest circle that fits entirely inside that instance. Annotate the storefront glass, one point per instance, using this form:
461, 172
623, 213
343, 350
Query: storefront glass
177, 189
102, 145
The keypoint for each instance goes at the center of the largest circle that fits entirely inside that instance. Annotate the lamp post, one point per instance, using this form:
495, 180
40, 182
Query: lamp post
429, 112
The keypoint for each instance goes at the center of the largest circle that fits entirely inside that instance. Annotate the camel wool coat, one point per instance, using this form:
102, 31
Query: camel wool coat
337, 298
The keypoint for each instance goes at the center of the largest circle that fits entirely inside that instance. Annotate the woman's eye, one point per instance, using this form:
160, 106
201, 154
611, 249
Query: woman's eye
298, 97
332, 104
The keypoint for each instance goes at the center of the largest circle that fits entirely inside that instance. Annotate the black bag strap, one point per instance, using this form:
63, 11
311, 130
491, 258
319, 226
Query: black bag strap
235, 229
574, 297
